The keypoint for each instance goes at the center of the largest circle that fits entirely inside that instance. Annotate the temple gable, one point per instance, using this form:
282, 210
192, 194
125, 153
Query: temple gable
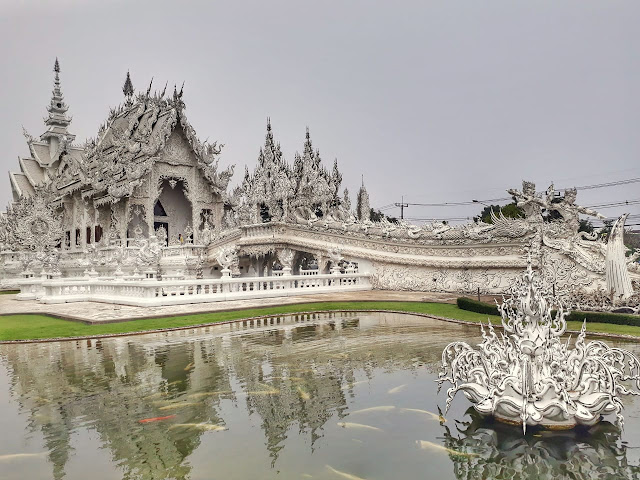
177, 150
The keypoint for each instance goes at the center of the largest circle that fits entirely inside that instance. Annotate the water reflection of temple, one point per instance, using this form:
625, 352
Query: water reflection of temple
480, 449
281, 368
289, 376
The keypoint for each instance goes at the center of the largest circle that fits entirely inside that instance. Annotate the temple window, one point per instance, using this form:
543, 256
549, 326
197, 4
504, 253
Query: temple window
158, 210
264, 213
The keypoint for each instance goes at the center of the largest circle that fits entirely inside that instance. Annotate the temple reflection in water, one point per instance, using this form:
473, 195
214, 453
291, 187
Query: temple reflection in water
292, 378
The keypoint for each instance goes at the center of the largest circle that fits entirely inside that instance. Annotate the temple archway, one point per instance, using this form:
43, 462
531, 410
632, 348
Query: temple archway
173, 211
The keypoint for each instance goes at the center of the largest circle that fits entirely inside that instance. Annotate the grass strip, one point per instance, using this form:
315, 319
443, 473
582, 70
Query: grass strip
27, 327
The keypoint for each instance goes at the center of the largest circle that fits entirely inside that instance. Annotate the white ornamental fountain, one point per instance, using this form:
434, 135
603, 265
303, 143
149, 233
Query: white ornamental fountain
527, 375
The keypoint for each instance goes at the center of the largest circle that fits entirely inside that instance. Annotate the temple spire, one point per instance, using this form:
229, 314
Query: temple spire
363, 208
127, 89
57, 121
269, 137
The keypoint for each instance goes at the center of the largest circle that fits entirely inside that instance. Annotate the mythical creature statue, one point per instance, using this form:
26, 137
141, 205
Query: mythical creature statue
226, 257
528, 376
563, 234
528, 201
285, 256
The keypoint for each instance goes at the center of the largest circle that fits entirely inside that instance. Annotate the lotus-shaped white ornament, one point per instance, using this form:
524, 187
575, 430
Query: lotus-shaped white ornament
528, 376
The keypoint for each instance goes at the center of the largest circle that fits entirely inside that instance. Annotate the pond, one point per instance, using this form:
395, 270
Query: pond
318, 396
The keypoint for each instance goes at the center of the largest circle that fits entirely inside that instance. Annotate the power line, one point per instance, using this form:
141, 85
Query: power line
616, 204
457, 204
608, 184
614, 183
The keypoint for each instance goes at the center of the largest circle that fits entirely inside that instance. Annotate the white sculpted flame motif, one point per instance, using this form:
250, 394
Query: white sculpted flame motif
528, 376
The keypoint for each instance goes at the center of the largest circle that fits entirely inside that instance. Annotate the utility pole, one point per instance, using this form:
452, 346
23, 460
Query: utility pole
402, 206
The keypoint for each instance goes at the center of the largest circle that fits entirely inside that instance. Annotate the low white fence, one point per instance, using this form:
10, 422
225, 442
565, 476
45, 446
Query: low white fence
176, 292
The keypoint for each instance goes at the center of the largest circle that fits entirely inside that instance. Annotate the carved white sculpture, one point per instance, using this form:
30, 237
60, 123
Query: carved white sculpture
528, 376
617, 272
227, 257
285, 256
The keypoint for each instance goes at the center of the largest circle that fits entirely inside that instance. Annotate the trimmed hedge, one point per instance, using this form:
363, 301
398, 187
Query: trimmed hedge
605, 317
576, 316
476, 306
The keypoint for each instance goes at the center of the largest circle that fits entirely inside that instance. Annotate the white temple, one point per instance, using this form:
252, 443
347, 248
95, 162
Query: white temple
145, 201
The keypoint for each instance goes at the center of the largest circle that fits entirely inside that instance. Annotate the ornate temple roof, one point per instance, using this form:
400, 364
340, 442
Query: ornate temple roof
275, 184
131, 141
113, 164
47, 150
21, 184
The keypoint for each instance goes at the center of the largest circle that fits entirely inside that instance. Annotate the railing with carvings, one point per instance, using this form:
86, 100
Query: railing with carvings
313, 271
167, 292
260, 229
186, 250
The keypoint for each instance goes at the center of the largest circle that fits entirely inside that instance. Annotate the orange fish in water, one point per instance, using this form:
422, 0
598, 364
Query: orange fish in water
156, 419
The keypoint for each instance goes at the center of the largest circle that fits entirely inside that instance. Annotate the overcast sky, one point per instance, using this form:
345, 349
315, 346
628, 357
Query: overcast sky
441, 101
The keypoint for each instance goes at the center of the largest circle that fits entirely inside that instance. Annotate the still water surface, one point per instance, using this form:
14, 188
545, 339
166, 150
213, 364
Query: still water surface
325, 396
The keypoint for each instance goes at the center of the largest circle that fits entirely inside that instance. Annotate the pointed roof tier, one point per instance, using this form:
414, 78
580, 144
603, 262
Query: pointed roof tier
314, 184
132, 139
272, 180
58, 120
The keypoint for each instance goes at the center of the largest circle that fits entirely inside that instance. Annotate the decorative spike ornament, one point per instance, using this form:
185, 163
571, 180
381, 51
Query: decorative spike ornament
617, 273
127, 88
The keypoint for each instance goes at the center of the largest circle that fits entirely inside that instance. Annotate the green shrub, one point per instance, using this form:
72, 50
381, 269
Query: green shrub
577, 316
605, 317
476, 306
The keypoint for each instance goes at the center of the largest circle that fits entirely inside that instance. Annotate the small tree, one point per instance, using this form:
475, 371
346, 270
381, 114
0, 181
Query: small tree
509, 211
606, 230
377, 216
585, 226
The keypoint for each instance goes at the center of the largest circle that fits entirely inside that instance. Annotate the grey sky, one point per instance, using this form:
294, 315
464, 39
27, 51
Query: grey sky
437, 101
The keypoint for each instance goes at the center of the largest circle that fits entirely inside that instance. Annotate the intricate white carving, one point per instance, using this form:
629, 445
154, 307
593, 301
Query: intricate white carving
285, 256
528, 376
227, 257
32, 224
618, 280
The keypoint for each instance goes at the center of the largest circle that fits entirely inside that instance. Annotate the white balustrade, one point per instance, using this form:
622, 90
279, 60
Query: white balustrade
313, 271
150, 292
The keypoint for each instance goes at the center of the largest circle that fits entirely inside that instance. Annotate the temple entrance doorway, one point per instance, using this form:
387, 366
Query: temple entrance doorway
173, 211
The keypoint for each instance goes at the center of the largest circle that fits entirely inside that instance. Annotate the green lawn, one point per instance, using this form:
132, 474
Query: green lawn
21, 327
9, 292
